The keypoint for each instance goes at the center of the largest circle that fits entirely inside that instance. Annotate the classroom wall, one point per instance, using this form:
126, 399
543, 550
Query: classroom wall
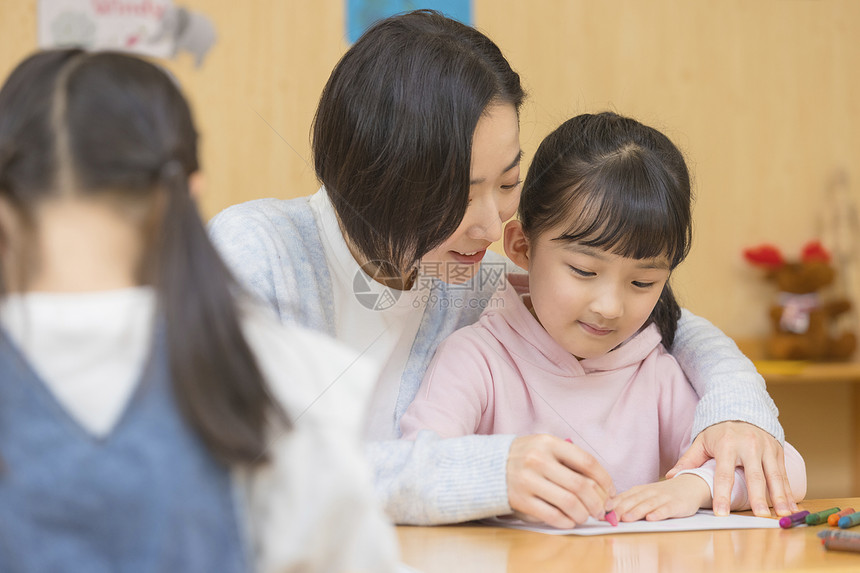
763, 97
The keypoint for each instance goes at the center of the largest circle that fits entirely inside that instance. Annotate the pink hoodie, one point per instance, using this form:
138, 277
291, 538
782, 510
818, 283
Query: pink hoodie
631, 408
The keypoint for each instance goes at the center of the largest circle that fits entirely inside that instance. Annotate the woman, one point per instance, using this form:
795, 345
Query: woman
416, 143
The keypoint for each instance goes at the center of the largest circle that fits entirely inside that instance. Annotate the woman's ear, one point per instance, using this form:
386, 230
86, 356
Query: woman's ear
517, 244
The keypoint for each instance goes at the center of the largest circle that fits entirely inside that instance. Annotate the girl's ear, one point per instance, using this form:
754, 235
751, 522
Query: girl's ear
517, 245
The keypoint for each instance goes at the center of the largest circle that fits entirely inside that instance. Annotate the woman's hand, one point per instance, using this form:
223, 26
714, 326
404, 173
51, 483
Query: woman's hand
734, 444
678, 497
555, 482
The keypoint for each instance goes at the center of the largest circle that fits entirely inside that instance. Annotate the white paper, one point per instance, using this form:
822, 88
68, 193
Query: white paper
704, 519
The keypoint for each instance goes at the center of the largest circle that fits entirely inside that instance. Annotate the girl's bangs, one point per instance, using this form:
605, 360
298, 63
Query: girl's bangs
623, 220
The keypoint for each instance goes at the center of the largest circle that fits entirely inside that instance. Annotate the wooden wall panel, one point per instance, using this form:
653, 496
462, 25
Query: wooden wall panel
256, 95
17, 32
764, 98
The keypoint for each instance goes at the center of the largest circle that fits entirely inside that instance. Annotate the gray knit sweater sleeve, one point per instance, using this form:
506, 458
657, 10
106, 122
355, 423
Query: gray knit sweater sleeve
273, 249
435, 481
727, 382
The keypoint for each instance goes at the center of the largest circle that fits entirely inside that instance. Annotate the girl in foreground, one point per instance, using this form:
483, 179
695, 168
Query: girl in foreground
147, 423
580, 351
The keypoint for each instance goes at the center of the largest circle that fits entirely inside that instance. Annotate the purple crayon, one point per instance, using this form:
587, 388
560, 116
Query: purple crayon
793, 519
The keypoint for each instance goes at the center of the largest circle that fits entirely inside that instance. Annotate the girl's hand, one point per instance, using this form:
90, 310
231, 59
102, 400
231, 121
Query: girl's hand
555, 482
678, 497
761, 455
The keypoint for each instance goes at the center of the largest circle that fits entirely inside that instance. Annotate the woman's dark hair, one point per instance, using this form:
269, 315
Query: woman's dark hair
392, 135
620, 186
114, 127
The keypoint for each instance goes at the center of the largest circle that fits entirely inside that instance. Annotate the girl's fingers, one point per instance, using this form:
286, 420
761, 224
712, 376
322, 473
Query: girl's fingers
584, 463
544, 486
624, 504
652, 505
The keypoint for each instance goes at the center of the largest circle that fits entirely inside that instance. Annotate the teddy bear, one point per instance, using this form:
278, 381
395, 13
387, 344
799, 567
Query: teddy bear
802, 322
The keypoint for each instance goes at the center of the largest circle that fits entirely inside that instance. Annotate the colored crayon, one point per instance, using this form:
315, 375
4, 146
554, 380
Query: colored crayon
820, 516
826, 534
849, 520
793, 519
842, 544
612, 518
832, 520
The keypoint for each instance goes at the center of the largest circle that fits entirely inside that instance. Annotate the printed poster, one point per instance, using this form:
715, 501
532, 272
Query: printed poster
361, 14
125, 25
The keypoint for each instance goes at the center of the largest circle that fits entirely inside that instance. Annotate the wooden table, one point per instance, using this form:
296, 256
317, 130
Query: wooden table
481, 549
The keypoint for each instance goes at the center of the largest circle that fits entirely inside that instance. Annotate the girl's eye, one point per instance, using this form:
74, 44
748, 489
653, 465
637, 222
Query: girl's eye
640, 284
581, 272
514, 186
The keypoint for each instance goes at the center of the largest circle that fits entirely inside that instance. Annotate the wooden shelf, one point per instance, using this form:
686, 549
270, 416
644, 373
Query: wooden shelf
798, 371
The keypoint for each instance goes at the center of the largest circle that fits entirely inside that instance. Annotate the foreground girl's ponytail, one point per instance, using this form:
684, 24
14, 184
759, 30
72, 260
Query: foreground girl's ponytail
116, 127
218, 384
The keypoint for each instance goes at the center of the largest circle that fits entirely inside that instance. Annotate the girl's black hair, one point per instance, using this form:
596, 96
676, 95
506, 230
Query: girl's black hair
620, 186
392, 136
114, 127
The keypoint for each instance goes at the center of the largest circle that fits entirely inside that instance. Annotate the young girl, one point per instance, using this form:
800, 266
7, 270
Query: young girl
146, 422
581, 351
416, 144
